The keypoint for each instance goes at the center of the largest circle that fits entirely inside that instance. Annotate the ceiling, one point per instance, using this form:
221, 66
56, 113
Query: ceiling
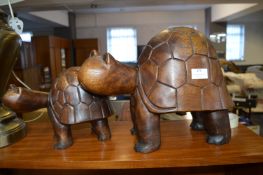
252, 18
107, 6
118, 5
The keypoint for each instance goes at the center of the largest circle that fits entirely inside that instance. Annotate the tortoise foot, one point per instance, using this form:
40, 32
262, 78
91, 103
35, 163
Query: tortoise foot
63, 144
133, 131
103, 133
218, 139
104, 137
146, 148
197, 126
101, 129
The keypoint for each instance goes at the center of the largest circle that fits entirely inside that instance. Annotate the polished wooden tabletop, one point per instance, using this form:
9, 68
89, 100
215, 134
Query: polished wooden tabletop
181, 147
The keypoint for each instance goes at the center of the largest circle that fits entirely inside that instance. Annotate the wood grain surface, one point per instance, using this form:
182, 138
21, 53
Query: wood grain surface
181, 147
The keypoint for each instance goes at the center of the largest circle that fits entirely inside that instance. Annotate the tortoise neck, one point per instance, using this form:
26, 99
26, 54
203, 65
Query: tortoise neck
131, 79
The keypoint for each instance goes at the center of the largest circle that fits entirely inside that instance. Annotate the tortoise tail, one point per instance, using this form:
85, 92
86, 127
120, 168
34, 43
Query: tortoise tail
22, 100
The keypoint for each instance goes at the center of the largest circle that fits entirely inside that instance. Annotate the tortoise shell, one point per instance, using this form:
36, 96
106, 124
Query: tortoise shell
178, 70
72, 104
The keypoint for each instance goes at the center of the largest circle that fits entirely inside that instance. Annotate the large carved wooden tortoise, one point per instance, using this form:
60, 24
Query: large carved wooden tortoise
178, 70
67, 104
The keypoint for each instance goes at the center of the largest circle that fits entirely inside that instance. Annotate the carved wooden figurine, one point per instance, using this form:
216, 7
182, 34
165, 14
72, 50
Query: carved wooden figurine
178, 70
67, 104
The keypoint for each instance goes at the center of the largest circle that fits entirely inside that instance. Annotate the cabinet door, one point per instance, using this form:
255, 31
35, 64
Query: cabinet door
59, 50
55, 62
40, 45
82, 49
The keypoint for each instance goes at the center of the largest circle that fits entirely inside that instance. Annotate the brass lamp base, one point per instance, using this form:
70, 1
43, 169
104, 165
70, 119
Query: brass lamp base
12, 128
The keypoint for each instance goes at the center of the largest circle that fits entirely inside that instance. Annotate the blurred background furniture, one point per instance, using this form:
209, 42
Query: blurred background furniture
245, 84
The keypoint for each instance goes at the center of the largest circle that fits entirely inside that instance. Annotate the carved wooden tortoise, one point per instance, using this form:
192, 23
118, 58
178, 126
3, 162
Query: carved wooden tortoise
67, 104
70, 104
178, 70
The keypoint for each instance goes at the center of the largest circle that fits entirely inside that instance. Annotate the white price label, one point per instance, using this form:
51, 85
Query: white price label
199, 73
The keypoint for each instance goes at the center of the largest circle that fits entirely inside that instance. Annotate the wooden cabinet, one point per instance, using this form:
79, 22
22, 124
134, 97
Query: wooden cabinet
82, 49
51, 53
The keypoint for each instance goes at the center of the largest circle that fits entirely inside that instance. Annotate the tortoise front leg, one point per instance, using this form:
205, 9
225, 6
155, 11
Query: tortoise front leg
101, 128
147, 126
62, 132
217, 126
132, 109
197, 122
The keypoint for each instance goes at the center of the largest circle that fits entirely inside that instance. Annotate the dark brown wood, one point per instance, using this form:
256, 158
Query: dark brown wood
181, 148
40, 46
47, 52
167, 79
24, 100
32, 77
146, 127
70, 104
83, 47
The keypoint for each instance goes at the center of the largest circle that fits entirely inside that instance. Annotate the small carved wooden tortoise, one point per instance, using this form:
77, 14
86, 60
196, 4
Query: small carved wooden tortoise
178, 70
67, 104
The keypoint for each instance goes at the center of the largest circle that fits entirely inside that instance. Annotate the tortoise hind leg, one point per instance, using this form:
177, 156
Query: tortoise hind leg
101, 128
147, 126
217, 126
197, 122
62, 132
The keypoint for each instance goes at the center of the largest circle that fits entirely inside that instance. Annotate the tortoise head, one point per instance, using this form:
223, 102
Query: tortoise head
103, 75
